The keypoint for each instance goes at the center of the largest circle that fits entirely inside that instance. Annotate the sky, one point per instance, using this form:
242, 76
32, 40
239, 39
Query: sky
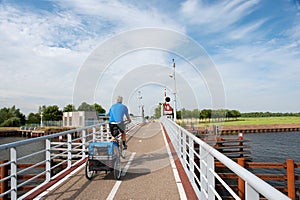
241, 55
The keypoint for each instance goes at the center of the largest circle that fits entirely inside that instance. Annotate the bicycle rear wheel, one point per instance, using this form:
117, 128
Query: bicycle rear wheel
117, 168
88, 173
123, 153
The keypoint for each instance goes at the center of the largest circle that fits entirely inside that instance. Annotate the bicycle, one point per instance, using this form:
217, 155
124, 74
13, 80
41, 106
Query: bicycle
118, 138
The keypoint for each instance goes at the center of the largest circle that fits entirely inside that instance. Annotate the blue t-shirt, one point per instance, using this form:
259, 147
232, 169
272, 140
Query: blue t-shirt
117, 111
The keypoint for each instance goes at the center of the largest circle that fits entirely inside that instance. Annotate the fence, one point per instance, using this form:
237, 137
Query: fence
16, 174
202, 174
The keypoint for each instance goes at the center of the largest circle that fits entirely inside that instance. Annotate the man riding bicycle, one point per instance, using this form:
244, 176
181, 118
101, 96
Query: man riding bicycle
116, 118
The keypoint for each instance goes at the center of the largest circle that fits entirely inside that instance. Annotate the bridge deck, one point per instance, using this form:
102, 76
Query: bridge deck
149, 175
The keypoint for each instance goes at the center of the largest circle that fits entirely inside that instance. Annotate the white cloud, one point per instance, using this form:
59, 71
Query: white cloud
118, 15
243, 31
218, 16
43, 50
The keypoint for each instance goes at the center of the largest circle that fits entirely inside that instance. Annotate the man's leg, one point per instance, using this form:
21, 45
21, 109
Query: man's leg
122, 129
124, 140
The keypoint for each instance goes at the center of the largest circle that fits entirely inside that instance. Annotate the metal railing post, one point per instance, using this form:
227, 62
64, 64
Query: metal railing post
83, 140
203, 173
107, 130
210, 176
13, 173
250, 193
191, 159
181, 144
69, 150
101, 132
48, 160
184, 149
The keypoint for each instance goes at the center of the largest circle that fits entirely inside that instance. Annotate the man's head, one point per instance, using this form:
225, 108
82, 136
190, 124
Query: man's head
119, 99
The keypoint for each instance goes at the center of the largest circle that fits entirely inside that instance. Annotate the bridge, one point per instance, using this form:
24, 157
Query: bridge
163, 161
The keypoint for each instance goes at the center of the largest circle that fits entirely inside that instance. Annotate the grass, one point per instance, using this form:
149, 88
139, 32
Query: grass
9, 128
246, 121
264, 120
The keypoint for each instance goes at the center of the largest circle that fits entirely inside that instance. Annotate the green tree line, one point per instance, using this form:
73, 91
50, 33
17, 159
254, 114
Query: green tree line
201, 114
12, 117
270, 114
221, 113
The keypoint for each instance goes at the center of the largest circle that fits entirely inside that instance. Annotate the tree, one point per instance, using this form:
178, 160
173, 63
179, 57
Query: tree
178, 114
205, 114
52, 113
11, 122
233, 114
11, 117
99, 108
33, 118
86, 107
157, 111
196, 113
69, 108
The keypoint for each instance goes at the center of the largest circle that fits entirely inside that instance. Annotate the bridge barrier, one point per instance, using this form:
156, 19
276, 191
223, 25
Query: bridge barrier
72, 146
202, 175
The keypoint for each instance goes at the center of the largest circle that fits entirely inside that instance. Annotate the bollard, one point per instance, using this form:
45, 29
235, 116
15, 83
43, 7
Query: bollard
241, 137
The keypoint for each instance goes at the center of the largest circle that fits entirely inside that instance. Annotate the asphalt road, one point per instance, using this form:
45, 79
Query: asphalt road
148, 172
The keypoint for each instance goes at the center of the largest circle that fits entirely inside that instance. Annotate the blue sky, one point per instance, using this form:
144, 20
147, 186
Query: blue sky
254, 45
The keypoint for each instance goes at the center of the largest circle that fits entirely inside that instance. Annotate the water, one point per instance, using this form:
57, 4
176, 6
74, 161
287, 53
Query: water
23, 150
265, 147
274, 147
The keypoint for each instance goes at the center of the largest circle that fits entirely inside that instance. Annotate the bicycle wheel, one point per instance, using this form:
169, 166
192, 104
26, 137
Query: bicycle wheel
123, 152
88, 174
117, 168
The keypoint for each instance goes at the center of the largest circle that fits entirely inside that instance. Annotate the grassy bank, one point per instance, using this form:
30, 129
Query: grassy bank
244, 121
264, 120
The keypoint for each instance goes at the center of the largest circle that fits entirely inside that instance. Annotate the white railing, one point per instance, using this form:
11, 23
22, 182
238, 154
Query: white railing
204, 183
66, 148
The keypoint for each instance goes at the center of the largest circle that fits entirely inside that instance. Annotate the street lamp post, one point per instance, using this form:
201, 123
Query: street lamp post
41, 119
175, 106
141, 107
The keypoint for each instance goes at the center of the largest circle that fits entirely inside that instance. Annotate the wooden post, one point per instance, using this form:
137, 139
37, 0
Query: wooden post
241, 182
290, 171
4, 184
219, 144
241, 144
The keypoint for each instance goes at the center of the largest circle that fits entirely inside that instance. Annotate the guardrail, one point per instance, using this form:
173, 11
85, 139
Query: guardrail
73, 146
202, 174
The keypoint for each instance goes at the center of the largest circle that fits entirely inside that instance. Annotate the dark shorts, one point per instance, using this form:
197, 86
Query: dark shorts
120, 126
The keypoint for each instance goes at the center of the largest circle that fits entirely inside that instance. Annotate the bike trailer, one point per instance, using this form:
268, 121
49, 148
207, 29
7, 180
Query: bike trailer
102, 155
102, 150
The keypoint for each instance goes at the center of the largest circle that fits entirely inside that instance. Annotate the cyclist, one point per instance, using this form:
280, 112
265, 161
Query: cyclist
116, 118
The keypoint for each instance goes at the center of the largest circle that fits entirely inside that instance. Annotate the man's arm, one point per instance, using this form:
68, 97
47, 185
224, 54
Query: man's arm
127, 115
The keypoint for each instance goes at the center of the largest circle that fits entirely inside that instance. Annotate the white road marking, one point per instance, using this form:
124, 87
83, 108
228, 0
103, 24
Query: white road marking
59, 182
175, 171
118, 183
